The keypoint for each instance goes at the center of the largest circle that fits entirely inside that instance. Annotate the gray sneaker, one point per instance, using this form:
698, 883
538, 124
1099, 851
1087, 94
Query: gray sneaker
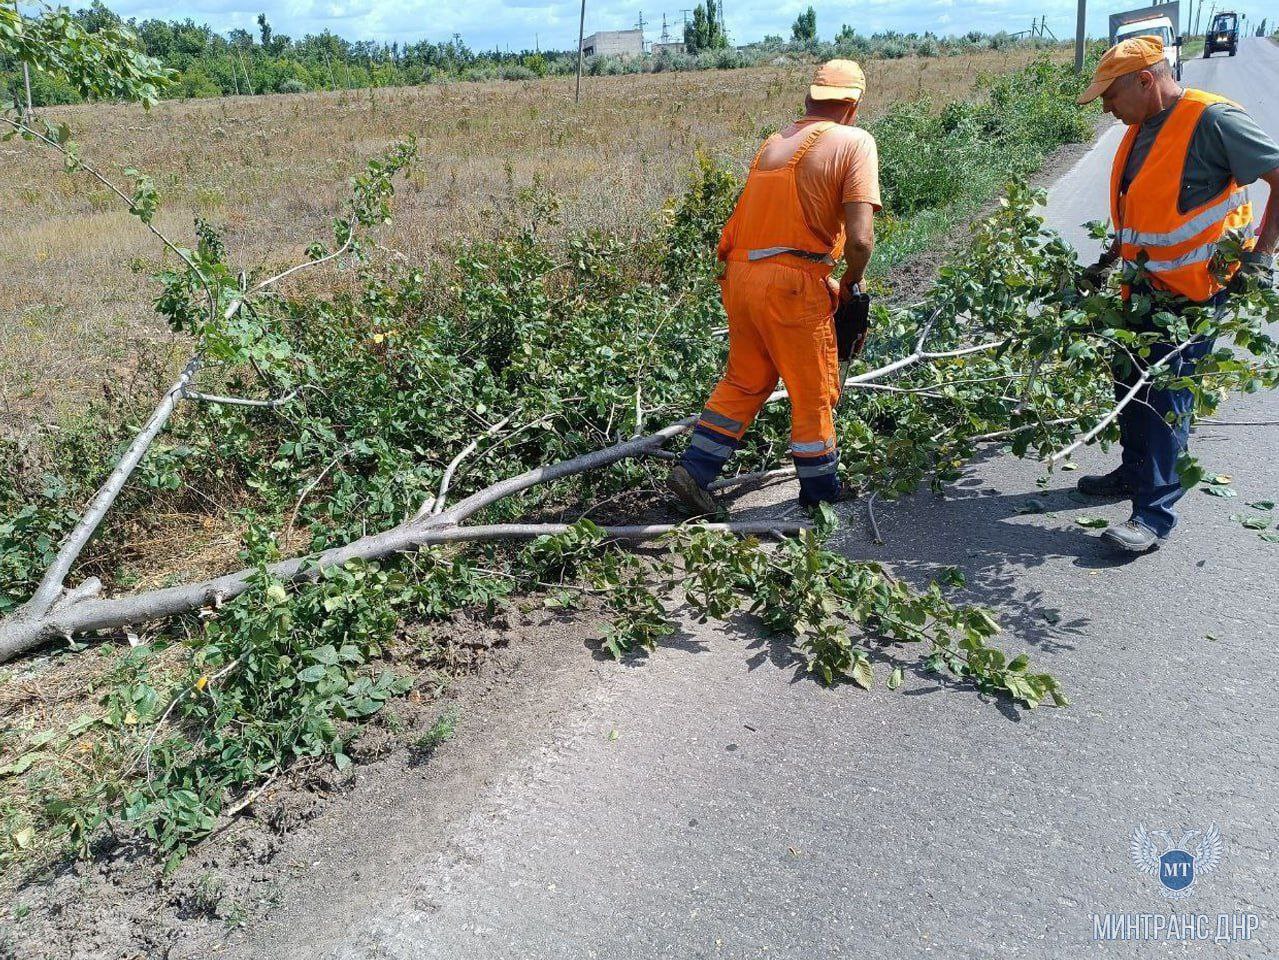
1133, 536
695, 501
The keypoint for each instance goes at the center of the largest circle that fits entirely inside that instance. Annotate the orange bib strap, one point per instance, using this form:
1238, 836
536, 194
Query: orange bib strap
814, 135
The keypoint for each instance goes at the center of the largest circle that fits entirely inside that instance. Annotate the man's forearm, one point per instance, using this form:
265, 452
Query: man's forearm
857, 258
1269, 235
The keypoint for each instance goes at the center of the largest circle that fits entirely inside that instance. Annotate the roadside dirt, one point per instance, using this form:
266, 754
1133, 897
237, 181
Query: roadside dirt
502, 683
513, 672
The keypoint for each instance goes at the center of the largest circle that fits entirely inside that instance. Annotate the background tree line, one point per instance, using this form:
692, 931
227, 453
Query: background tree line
209, 64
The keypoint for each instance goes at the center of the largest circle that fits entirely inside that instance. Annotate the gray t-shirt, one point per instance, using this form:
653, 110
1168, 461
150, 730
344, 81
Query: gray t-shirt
1226, 143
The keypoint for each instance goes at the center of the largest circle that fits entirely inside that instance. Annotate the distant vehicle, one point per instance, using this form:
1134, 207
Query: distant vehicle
1158, 21
1223, 34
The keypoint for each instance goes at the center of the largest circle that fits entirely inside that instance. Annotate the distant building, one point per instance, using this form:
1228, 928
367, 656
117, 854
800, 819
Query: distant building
674, 46
614, 43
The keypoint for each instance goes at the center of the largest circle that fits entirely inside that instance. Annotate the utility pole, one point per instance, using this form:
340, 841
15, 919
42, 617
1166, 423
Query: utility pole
640, 26
26, 80
666, 33
247, 82
581, 35
1080, 28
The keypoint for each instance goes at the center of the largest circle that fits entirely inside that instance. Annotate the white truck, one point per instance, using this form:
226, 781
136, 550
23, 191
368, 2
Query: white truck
1159, 21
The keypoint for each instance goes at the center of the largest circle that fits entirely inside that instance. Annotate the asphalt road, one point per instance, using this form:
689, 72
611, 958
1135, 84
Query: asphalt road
713, 802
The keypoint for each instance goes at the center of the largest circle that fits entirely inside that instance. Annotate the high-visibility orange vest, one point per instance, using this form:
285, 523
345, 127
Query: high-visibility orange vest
768, 220
1180, 246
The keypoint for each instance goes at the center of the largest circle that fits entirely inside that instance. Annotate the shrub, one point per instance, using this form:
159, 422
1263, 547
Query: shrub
291, 86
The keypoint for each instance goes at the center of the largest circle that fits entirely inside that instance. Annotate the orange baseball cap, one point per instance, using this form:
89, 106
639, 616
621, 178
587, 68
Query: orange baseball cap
1127, 56
838, 80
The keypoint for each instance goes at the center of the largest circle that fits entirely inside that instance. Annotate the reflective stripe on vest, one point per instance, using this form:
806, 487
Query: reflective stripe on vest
1178, 249
1200, 254
1191, 228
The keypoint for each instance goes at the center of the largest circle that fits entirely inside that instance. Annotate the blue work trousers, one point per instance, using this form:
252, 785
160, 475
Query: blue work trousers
1154, 429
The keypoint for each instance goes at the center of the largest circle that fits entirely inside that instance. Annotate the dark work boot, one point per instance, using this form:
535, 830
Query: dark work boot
1112, 484
695, 501
844, 494
1133, 536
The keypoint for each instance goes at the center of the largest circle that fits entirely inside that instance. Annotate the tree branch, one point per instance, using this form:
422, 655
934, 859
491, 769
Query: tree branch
239, 401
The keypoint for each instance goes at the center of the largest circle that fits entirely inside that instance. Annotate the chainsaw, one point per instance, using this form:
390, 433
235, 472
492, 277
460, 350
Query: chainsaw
852, 323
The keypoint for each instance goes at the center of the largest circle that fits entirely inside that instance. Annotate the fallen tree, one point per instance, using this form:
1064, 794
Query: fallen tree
1034, 382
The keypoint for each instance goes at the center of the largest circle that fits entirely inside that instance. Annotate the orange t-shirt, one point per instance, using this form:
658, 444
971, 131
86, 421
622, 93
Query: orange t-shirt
841, 167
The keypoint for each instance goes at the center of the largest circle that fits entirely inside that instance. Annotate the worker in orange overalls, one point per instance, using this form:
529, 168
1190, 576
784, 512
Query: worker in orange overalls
1177, 188
810, 198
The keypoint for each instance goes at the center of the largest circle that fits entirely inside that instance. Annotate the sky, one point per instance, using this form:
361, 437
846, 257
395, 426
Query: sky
552, 24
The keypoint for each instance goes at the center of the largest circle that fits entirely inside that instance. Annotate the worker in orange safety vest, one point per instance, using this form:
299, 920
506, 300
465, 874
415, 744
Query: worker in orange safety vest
810, 198
1177, 190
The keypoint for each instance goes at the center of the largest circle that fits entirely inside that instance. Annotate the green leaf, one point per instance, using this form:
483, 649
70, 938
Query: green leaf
23, 763
1092, 523
341, 761
895, 678
1262, 505
313, 674
1189, 470
1256, 523
863, 672
1270, 537
326, 654
1226, 493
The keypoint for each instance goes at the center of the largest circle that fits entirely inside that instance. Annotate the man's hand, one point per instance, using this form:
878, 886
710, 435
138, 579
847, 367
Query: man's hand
832, 287
1094, 278
848, 287
1255, 270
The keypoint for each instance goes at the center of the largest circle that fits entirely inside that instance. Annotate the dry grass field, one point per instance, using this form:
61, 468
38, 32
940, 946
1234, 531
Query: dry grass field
74, 289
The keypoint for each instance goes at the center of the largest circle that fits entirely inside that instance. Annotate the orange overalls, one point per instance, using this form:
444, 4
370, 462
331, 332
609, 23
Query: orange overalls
1179, 246
779, 310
